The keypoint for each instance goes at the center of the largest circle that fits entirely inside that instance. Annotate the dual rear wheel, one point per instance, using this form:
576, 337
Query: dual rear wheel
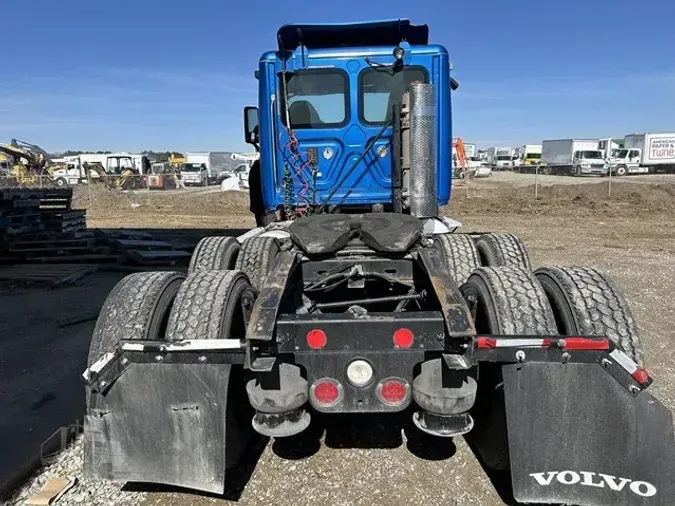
254, 257
569, 301
464, 253
214, 301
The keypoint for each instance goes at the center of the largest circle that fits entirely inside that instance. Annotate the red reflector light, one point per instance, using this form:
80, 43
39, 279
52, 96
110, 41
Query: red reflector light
316, 339
403, 338
641, 375
393, 391
583, 343
486, 342
326, 392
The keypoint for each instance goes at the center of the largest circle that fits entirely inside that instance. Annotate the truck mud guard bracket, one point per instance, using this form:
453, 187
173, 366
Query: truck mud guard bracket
103, 373
457, 318
564, 350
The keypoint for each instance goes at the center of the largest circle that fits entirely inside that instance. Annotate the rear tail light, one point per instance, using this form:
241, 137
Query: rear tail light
641, 375
584, 343
316, 339
326, 392
403, 338
393, 391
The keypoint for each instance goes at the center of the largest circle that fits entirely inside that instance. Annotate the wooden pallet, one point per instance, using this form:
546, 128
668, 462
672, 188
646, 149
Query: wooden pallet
44, 235
157, 256
78, 258
35, 193
9, 220
54, 275
8, 233
48, 245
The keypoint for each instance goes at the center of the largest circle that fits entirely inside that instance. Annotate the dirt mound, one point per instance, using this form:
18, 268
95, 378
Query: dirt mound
568, 200
211, 207
99, 197
101, 200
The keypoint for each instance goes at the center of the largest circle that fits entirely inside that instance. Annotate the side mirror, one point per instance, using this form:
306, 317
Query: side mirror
251, 134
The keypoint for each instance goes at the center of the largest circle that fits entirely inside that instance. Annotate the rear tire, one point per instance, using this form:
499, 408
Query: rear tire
137, 308
502, 250
214, 254
495, 289
256, 257
587, 303
216, 305
211, 305
461, 255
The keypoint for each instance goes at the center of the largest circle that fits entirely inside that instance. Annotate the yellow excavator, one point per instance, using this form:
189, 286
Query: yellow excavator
28, 164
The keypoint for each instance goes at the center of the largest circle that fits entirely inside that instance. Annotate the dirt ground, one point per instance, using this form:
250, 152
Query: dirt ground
41, 362
629, 234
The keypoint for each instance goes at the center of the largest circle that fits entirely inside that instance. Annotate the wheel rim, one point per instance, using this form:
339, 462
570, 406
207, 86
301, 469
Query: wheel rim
485, 319
235, 326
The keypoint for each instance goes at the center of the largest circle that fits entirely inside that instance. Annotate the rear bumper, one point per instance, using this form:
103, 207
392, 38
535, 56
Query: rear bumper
376, 347
581, 427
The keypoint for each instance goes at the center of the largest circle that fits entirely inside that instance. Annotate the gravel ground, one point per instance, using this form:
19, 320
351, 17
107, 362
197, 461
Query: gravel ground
85, 492
630, 235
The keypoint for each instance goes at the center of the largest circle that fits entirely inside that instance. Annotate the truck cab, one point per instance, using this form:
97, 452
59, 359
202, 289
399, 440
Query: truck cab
528, 158
589, 161
624, 161
70, 172
194, 174
501, 158
327, 115
530, 155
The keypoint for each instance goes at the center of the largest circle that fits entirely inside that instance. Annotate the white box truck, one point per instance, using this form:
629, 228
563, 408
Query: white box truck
644, 154
529, 156
500, 158
573, 157
205, 168
469, 149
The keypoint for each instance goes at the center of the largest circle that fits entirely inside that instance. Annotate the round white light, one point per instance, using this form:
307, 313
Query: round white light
359, 373
382, 151
328, 153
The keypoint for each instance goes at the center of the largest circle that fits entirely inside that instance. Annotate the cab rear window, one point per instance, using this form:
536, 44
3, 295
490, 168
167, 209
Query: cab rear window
380, 89
317, 98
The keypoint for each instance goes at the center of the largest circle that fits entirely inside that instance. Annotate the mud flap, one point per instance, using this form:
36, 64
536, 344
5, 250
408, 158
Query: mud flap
163, 423
576, 436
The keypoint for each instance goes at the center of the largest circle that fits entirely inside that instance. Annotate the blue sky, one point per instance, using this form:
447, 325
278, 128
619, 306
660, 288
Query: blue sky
170, 74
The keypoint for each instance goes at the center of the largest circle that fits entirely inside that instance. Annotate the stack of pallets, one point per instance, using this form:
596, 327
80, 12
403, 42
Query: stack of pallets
141, 248
39, 225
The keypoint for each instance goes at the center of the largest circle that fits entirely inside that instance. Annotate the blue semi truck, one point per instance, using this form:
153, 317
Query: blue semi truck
355, 296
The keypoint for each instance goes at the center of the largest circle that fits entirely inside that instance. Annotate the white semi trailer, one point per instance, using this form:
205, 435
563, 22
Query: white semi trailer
645, 153
573, 157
